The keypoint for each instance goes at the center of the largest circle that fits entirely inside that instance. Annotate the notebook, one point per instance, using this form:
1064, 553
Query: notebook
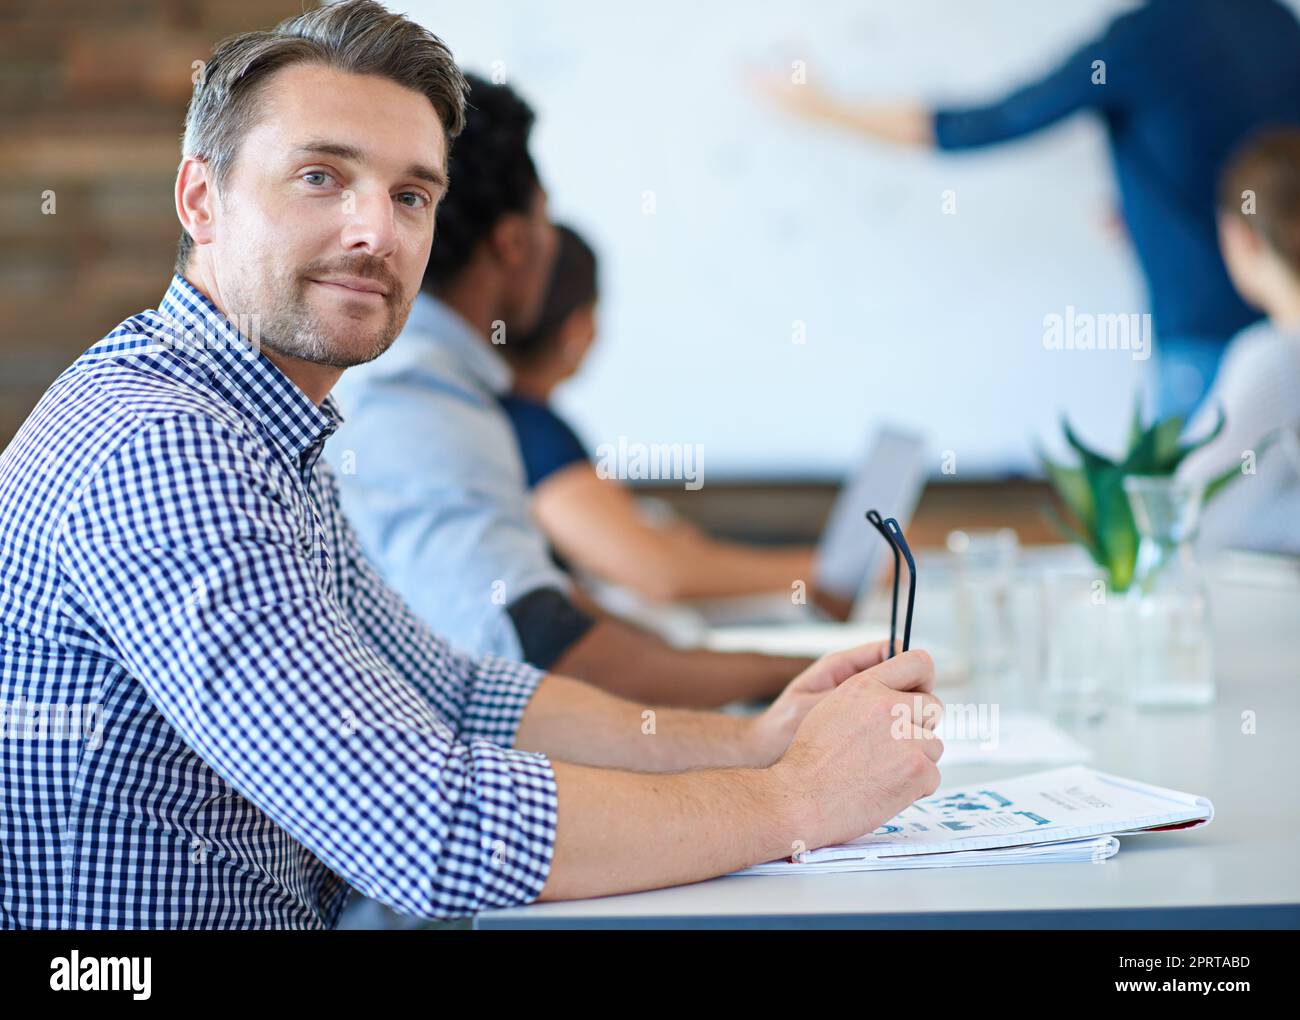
1064, 814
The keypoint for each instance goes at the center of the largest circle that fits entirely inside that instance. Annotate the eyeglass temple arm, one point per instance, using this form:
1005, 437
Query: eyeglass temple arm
874, 517
901, 543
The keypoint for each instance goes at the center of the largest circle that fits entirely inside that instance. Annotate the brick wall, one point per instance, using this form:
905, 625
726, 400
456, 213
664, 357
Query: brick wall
92, 100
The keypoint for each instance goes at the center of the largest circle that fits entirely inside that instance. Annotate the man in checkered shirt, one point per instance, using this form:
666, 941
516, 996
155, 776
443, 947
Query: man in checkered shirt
271, 724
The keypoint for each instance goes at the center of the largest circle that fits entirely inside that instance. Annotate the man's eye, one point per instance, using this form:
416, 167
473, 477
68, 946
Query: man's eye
417, 201
311, 174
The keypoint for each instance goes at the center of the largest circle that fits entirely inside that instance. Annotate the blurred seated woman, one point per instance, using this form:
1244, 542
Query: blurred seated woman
1258, 385
594, 524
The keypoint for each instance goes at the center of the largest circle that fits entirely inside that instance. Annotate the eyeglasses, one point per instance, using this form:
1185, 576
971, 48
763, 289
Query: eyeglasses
893, 534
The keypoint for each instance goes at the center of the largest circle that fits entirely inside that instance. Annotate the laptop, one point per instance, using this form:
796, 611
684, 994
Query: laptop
851, 554
851, 558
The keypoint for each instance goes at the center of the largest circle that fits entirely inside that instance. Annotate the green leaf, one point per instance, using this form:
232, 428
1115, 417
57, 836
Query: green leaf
1190, 448
1151, 455
1121, 543
1220, 482
1087, 455
1094, 493
1167, 434
1071, 485
1135, 429
1115, 531
1074, 534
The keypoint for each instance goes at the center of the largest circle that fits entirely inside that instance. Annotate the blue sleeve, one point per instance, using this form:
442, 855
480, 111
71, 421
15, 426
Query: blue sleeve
436, 492
546, 441
1066, 90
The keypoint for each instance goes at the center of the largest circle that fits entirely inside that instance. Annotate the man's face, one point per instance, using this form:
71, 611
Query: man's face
324, 224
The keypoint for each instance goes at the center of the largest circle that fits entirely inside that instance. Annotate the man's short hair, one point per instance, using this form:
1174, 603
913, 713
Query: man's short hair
357, 36
492, 174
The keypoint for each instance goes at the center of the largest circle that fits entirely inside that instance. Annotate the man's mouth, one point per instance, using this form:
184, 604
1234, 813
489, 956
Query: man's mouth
355, 286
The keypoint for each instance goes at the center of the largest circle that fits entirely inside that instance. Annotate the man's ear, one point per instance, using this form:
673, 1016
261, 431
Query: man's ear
509, 240
196, 199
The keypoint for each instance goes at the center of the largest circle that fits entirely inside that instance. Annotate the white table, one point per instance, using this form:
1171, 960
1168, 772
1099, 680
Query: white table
1243, 870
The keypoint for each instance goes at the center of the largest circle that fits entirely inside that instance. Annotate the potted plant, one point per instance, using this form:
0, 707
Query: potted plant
1137, 520
1099, 514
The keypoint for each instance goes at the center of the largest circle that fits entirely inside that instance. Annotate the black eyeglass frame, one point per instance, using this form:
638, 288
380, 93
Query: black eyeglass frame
892, 533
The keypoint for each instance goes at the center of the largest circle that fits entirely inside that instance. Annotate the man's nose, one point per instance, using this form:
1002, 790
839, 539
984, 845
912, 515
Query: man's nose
369, 223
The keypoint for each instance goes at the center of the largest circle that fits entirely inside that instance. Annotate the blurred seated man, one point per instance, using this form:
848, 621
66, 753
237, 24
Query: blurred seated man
591, 519
1258, 387
430, 468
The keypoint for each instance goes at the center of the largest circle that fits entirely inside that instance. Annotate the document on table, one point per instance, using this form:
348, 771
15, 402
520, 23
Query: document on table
1065, 814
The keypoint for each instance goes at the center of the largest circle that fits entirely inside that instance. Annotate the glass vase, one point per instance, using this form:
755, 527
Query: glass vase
1172, 651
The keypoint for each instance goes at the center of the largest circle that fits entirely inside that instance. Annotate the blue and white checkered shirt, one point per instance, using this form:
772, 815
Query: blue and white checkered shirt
215, 713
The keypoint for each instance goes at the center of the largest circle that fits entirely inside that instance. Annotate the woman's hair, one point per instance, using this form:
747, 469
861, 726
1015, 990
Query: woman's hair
572, 286
1261, 186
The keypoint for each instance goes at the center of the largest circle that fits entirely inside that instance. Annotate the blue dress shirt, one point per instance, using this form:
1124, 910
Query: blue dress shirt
432, 477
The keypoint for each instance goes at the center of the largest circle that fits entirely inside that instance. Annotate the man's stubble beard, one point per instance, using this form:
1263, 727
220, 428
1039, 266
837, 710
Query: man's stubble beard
291, 328
294, 330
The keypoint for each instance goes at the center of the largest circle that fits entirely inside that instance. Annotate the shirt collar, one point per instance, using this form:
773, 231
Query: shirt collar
244, 374
435, 320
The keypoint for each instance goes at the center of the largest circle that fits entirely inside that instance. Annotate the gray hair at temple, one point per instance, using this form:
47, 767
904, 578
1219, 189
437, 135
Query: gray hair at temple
358, 36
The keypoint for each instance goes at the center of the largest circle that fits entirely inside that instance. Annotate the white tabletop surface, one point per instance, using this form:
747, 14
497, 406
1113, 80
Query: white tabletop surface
1239, 871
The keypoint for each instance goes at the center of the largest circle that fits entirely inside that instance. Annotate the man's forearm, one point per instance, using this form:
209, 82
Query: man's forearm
846, 771
692, 567
624, 832
572, 721
643, 667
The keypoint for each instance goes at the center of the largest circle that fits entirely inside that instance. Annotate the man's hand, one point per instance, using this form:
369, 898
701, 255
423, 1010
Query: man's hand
803, 99
865, 751
857, 759
773, 730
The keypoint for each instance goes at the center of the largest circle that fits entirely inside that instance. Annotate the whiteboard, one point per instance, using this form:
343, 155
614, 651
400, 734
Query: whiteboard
758, 223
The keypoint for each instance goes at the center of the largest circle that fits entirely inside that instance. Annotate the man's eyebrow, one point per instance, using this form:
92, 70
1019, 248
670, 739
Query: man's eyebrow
430, 174
350, 152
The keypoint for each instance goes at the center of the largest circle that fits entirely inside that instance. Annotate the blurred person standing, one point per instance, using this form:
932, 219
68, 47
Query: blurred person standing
1178, 84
